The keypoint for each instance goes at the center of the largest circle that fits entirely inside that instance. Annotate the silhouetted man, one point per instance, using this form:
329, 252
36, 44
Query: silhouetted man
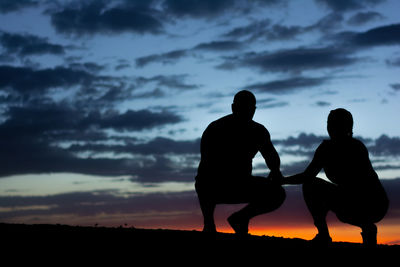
228, 146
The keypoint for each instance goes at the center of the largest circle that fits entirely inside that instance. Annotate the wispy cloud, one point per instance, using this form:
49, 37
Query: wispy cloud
286, 86
91, 17
22, 45
348, 5
292, 60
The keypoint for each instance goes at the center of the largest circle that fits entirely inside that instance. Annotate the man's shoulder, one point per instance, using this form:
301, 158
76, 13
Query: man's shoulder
221, 121
259, 127
229, 121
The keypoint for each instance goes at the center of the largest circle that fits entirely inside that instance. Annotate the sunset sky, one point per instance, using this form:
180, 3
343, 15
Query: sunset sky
103, 103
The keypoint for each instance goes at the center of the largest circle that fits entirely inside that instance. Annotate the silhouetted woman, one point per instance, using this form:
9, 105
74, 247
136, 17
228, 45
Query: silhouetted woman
354, 194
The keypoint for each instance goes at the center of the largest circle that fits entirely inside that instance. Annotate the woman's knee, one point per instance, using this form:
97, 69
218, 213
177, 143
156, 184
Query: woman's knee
277, 197
317, 186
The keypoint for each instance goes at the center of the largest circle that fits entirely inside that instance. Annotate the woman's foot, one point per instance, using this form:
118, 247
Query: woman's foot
322, 240
369, 234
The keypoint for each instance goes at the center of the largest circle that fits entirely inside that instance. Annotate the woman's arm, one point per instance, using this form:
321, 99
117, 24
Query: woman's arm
299, 178
311, 171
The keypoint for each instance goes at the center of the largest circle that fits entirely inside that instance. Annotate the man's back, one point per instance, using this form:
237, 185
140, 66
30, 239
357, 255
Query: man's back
228, 146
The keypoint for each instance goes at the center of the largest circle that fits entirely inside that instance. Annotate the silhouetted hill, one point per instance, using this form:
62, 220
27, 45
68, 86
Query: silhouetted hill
154, 239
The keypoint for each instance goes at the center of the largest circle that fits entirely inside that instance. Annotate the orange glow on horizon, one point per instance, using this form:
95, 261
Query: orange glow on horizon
339, 233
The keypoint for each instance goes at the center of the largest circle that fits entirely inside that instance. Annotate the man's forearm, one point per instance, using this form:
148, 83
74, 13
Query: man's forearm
273, 161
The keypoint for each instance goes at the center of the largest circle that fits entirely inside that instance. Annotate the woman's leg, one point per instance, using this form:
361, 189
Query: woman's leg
319, 195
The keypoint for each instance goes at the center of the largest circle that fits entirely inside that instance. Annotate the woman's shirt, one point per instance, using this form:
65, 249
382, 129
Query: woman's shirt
346, 162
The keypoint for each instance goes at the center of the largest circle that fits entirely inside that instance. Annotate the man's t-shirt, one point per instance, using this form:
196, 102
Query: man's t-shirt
228, 147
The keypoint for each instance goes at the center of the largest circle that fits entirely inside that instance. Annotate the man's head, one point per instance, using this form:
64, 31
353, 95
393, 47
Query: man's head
340, 123
244, 105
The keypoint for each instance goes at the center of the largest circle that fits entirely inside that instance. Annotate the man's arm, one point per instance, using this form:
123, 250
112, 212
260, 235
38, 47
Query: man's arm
271, 158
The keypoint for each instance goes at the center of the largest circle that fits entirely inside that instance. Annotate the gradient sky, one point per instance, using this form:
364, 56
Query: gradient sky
103, 103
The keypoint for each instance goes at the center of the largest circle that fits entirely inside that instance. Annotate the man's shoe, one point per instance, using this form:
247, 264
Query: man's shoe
321, 240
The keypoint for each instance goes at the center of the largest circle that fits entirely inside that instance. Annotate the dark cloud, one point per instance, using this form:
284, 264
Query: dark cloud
282, 32
85, 204
292, 60
252, 31
90, 67
197, 8
44, 118
173, 56
88, 89
157, 146
122, 66
31, 136
303, 140
26, 44
37, 129
133, 120
265, 30
364, 17
27, 80
170, 160
287, 86
348, 5
171, 81
330, 22
164, 168
383, 145
15, 5
164, 58
395, 62
395, 86
219, 46
322, 104
384, 35
295, 59
155, 93
212, 8
272, 104
97, 17
386, 146
28, 149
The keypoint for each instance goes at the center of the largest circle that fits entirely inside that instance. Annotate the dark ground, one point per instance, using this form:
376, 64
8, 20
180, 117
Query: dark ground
60, 235
62, 245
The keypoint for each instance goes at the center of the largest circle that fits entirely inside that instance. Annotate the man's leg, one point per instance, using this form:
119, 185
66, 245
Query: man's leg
207, 206
318, 195
263, 196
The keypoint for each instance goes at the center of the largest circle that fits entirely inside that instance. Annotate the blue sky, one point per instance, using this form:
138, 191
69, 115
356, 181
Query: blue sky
111, 97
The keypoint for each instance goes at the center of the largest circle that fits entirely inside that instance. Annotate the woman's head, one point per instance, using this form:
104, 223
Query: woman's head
340, 124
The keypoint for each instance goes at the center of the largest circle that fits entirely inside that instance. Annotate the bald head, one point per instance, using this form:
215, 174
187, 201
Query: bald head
244, 105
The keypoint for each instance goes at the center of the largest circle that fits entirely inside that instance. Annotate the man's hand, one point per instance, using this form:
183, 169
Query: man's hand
276, 177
